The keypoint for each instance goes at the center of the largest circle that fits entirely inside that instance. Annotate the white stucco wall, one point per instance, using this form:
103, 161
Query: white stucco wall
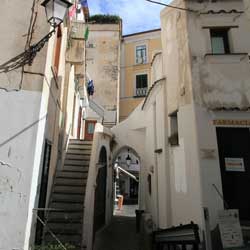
220, 80
24, 123
145, 131
17, 151
185, 178
102, 138
199, 83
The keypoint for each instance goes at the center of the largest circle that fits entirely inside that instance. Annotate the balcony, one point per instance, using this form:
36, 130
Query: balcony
141, 92
76, 43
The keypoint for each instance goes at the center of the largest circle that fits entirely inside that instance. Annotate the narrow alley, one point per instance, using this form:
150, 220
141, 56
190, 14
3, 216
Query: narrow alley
121, 233
125, 125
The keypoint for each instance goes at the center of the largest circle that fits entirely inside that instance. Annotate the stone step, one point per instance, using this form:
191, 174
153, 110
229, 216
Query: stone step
79, 151
67, 206
72, 239
67, 197
68, 168
65, 220
70, 215
76, 162
76, 141
76, 175
69, 189
80, 157
70, 182
79, 147
75, 226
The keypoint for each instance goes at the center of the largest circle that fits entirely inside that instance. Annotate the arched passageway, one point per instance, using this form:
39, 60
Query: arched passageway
126, 182
121, 233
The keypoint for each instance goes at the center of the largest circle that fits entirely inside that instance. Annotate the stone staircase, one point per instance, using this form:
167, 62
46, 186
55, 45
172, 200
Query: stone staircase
65, 219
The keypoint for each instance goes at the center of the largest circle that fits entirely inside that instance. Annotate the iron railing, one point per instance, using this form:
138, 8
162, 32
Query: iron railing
141, 91
183, 237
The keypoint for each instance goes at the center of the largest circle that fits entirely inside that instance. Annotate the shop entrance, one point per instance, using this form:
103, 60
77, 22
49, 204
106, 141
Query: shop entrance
234, 152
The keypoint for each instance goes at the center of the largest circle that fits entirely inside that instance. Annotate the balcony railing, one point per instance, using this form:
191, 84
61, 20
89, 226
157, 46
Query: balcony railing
140, 92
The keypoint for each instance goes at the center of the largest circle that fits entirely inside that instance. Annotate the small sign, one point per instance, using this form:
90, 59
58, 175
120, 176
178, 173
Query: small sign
230, 230
235, 164
232, 122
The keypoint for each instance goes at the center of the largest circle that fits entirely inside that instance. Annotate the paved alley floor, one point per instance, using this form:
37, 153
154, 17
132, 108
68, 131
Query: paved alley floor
121, 233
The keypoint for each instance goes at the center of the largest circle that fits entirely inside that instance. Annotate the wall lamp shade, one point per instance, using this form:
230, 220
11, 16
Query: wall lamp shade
55, 10
128, 160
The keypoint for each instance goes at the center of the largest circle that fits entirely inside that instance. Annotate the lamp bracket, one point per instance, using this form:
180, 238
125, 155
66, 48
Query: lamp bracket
27, 56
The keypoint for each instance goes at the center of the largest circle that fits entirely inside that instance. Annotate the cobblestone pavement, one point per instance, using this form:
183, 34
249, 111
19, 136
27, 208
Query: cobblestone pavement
127, 210
121, 233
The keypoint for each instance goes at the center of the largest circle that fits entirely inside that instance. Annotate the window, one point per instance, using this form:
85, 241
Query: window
141, 54
91, 128
141, 85
174, 134
220, 41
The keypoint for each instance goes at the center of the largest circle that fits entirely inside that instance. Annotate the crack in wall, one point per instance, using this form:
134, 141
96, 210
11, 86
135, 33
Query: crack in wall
4, 164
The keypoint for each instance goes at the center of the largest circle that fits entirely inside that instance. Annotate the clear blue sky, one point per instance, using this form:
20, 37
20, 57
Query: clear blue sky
137, 15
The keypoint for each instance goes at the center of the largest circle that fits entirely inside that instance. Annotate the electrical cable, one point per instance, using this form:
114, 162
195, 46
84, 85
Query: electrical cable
171, 6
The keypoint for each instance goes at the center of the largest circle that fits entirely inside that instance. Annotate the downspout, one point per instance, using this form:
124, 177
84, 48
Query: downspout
119, 75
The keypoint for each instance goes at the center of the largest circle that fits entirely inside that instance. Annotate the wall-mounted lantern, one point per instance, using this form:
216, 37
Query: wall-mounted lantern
128, 159
55, 10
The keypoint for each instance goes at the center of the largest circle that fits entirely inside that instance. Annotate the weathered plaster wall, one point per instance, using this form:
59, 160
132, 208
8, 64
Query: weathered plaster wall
17, 152
145, 131
14, 29
102, 138
28, 117
185, 173
103, 62
196, 82
156, 68
176, 57
220, 80
21, 122
54, 120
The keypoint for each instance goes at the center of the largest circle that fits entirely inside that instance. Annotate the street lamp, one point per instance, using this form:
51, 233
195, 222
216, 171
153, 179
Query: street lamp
128, 159
55, 10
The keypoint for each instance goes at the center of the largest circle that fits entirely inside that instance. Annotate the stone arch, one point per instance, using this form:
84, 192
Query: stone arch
117, 152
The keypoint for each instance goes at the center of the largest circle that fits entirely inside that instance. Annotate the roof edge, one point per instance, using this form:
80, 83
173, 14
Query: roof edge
142, 32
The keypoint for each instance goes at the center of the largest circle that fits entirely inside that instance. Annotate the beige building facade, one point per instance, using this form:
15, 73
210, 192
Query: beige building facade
194, 122
137, 51
103, 68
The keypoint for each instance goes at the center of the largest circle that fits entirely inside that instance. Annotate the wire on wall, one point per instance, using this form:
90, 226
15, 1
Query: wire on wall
27, 56
171, 6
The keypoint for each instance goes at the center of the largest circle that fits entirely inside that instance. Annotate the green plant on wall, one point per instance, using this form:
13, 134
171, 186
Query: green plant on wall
104, 19
54, 247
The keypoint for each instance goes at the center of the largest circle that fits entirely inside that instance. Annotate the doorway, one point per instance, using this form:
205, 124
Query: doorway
89, 130
234, 154
126, 182
100, 192
43, 192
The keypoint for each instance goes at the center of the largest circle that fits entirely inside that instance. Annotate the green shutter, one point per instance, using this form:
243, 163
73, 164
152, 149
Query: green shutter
86, 34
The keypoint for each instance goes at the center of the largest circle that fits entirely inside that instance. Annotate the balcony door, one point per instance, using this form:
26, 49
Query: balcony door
89, 130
